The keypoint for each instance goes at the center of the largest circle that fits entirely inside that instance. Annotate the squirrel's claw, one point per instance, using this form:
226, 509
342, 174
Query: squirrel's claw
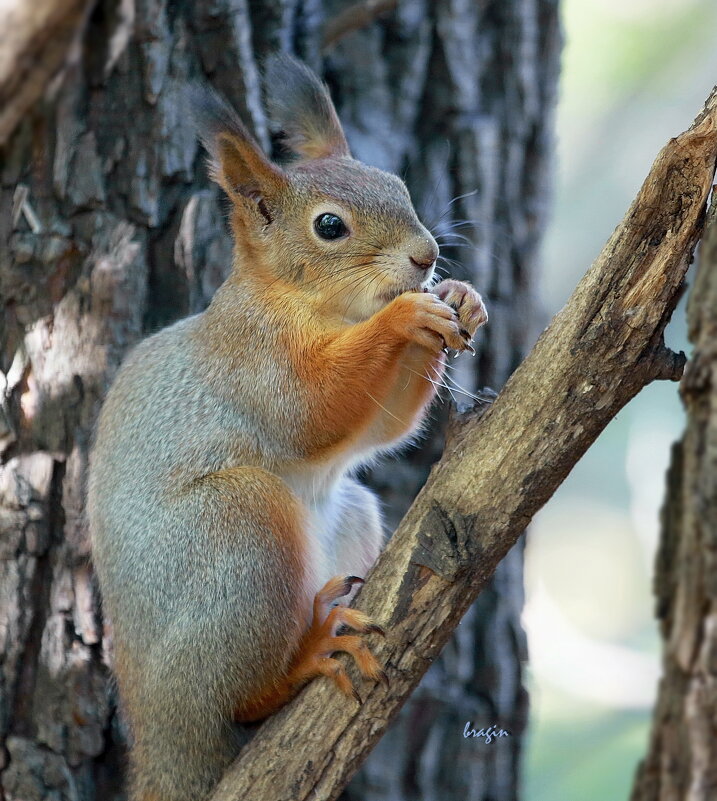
350, 581
326, 637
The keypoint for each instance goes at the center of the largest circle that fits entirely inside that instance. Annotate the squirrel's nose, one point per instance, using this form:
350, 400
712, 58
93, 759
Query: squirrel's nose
423, 264
425, 253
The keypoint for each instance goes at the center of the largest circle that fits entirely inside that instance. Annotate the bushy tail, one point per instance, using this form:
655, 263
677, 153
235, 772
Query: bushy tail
183, 738
166, 769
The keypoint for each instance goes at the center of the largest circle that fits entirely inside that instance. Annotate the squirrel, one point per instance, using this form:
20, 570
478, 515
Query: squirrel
225, 522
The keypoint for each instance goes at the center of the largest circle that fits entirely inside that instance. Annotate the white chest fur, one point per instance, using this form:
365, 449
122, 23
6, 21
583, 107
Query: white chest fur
343, 526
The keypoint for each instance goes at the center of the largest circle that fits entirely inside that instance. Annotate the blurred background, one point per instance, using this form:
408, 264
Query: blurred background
634, 73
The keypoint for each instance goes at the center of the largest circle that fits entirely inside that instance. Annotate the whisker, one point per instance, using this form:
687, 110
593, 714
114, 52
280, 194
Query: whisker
458, 222
360, 287
436, 384
467, 245
456, 386
347, 285
385, 409
451, 261
453, 237
460, 389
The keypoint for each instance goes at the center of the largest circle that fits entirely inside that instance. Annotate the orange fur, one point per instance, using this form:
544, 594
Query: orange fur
358, 373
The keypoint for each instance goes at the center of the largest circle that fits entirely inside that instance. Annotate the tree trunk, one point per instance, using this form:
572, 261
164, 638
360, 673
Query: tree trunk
111, 230
681, 763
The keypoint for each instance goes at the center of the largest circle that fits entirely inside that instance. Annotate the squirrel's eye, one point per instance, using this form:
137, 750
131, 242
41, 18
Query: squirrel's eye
329, 226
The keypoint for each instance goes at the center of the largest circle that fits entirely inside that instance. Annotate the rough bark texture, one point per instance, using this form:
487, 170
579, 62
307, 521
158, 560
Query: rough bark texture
110, 230
496, 472
681, 764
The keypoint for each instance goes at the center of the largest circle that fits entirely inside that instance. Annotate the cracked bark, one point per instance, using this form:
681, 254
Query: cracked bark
111, 229
681, 761
34, 42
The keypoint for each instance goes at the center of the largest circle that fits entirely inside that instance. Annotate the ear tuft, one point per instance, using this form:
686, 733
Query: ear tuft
301, 107
213, 116
237, 163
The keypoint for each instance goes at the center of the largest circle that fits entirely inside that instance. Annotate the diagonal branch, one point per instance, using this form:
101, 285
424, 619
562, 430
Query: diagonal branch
35, 38
598, 353
356, 16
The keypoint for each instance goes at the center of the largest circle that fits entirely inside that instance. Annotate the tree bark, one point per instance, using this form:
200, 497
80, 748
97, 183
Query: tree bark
111, 229
681, 762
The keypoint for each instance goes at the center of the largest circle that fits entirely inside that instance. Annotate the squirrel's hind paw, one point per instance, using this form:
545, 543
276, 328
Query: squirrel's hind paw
334, 589
315, 655
324, 639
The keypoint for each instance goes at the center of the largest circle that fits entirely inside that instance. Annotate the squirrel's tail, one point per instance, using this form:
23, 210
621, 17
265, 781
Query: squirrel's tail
172, 765
183, 736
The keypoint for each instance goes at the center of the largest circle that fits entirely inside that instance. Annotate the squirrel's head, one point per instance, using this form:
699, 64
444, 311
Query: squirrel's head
341, 230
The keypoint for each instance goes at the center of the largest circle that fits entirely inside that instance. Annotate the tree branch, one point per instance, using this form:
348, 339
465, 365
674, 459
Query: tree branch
497, 472
35, 37
351, 19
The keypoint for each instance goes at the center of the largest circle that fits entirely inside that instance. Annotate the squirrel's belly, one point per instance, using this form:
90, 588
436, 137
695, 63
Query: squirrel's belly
343, 524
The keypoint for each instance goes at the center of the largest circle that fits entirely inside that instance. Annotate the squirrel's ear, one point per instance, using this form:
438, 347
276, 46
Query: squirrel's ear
237, 162
300, 106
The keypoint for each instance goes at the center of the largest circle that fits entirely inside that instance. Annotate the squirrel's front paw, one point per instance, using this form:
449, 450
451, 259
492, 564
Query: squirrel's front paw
424, 318
466, 302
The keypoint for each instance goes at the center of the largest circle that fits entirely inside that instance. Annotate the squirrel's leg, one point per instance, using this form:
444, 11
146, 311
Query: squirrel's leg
358, 540
227, 626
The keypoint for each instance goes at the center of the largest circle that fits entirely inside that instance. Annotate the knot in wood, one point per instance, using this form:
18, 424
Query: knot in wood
447, 542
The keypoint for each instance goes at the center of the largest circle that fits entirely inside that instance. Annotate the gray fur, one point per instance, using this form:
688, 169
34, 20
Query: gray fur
300, 107
196, 600
212, 115
191, 591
